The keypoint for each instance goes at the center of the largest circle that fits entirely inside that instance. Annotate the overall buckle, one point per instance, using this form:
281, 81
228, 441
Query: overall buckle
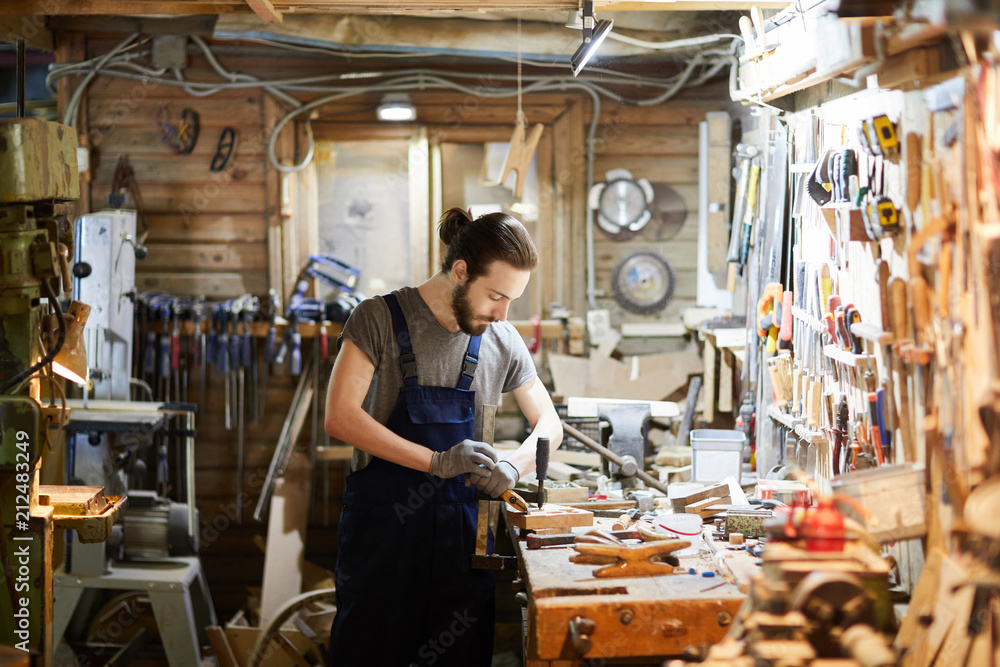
409, 365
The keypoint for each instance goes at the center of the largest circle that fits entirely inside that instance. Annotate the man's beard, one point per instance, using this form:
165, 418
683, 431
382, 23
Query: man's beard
467, 320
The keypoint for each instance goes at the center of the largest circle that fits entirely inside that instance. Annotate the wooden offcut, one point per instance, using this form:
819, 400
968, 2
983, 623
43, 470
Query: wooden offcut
708, 507
550, 516
714, 491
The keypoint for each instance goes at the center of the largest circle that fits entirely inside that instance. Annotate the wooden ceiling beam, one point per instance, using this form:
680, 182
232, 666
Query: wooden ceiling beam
122, 7
265, 10
271, 10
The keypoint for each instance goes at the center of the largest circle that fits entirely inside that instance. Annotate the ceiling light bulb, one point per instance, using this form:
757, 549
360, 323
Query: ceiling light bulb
396, 107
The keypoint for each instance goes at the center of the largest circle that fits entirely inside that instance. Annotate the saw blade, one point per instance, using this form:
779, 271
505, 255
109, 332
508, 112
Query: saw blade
643, 282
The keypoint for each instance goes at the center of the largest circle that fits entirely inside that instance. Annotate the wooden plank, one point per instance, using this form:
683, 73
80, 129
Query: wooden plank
207, 227
575, 189
423, 228
543, 284
286, 532
708, 507
220, 646
668, 140
205, 256
673, 171
550, 516
306, 201
213, 285
725, 381
265, 10
607, 255
714, 491
719, 181
562, 229
193, 172
147, 141
462, 106
677, 114
272, 198
288, 212
178, 197
922, 603
72, 47
133, 92
32, 29
451, 115
708, 402
117, 114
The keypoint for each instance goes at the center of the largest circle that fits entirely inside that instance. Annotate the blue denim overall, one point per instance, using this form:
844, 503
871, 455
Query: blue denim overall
405, 591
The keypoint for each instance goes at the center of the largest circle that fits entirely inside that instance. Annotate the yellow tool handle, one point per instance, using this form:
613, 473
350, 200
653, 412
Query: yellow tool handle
514, 500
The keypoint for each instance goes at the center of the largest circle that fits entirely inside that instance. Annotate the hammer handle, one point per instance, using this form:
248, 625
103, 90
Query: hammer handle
614, 458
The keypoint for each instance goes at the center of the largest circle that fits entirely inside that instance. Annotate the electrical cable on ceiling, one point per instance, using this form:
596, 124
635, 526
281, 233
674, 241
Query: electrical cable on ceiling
121, 57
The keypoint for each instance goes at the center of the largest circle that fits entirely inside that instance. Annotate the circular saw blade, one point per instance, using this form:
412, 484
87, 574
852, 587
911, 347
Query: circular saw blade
643, 282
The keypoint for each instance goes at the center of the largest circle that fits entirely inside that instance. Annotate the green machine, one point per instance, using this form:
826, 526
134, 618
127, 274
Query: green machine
38, 180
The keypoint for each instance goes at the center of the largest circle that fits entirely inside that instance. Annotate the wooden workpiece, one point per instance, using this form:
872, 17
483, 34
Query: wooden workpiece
549, 516
651, 616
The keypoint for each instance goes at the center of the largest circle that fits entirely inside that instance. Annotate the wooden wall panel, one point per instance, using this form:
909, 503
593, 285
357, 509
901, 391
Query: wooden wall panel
661, 144
206, 229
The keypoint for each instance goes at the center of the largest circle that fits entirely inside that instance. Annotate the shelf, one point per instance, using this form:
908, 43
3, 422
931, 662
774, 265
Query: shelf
848, 358
809, 320
796, 426
872, 333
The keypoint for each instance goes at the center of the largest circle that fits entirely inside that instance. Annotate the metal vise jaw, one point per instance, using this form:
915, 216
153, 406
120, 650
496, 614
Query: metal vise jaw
628, 439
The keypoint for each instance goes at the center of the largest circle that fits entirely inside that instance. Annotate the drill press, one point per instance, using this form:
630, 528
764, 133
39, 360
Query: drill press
38, 179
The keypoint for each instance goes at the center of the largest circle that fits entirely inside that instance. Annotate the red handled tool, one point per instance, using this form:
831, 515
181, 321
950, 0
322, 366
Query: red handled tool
785, 332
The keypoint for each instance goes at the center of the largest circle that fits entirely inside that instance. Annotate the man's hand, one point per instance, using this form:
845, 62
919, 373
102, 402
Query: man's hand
501, 478
468, 456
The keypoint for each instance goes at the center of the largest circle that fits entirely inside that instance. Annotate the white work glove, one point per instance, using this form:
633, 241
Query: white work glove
501, 478
468, 456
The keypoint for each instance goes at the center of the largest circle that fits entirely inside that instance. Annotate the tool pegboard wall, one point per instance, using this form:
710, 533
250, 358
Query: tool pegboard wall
886, 305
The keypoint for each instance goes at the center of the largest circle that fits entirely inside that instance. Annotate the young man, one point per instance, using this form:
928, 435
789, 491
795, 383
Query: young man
414, 371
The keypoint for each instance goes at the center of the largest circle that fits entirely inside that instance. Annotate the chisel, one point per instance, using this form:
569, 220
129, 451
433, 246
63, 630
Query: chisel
541, 467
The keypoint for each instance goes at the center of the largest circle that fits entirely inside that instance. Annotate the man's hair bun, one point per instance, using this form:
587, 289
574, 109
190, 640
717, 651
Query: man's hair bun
453, 220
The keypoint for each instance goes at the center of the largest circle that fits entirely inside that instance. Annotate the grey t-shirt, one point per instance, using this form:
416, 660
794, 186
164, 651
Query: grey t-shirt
504, 361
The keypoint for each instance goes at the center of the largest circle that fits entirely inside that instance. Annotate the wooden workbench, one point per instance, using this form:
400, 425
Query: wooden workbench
652, 617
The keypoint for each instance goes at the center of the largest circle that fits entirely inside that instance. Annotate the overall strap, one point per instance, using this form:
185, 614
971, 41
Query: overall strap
470, 364
407, 360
